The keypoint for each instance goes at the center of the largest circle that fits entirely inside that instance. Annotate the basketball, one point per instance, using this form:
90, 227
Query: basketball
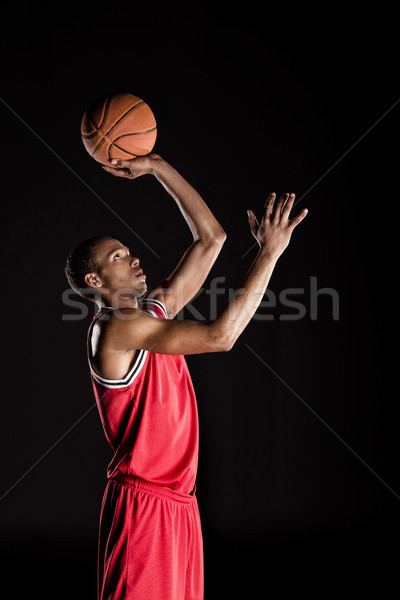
118, 126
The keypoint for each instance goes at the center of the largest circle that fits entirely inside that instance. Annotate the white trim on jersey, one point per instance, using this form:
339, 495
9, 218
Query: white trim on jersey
156, 303
140, 360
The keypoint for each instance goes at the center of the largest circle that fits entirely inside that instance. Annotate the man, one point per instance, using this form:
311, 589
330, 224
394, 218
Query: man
150, 540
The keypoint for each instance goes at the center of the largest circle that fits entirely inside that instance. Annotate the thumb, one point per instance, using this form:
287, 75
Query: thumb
254, 224
118, 162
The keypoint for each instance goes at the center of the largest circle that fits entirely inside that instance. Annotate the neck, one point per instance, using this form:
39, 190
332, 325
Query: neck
118, 301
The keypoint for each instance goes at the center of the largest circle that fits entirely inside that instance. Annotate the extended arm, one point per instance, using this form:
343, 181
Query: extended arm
273, 236
177, 289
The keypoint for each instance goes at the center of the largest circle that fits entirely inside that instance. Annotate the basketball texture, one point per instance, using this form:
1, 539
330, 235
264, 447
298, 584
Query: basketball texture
118, 126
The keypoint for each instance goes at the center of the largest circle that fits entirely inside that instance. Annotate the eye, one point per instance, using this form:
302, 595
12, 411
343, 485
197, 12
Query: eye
117, 256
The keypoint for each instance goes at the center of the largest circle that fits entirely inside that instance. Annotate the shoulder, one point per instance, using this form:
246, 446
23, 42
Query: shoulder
127, 328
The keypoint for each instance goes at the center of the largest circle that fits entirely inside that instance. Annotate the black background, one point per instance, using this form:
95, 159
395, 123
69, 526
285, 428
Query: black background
298, 483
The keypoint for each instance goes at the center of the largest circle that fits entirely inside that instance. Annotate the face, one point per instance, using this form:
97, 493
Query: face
119, 272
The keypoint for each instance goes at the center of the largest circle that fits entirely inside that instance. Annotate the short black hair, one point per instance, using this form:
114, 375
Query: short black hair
81, 261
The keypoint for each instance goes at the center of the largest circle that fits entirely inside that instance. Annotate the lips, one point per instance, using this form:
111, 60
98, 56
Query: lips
139, 273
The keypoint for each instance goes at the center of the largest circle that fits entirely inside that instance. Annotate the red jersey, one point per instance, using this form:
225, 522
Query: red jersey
150, 416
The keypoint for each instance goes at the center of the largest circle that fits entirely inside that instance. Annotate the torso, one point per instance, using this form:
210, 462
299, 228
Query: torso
149, 415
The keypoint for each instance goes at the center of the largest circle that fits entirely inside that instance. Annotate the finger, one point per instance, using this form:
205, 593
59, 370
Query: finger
288, 206
254, 224
117, 172
269, 204
294, 222
118, 162
253, 217
279, 206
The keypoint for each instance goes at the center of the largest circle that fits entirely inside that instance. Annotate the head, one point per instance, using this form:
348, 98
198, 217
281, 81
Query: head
103, 270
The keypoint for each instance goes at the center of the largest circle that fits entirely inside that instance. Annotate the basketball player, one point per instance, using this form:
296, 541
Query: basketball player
150, 539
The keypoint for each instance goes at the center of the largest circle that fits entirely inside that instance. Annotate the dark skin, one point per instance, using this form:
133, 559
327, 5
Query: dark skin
120, 281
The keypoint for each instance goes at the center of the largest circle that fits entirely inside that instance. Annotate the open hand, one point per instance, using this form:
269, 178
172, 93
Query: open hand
135, 167
274, 232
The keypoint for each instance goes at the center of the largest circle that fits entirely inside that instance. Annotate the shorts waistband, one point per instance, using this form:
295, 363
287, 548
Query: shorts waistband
160, 491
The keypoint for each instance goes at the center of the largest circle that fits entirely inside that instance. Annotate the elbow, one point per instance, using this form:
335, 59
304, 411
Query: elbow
227, 345
229, 340
222, 342
220, 237
214, 239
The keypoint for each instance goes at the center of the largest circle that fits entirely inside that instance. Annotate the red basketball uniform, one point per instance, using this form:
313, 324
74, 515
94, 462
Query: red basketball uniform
150, 540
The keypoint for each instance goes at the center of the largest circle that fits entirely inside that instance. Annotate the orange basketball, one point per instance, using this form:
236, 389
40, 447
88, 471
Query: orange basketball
118, 126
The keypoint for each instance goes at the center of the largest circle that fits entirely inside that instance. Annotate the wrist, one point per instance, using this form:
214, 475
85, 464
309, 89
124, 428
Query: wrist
155, 164
266, 254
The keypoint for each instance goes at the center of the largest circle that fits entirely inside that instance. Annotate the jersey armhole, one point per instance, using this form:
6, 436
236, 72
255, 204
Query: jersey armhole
154, 307
115, 383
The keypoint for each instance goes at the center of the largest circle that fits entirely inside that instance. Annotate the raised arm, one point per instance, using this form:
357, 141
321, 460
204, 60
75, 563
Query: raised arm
273, 235
178, 288
132, 328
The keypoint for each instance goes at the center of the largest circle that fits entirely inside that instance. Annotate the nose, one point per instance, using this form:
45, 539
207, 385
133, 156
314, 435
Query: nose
134, 262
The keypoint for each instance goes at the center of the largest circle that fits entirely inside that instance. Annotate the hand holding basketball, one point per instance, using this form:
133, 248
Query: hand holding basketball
120, 126
130, 169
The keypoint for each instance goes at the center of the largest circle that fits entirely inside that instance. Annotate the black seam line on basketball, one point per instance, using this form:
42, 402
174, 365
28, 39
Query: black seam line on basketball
87, 136
108, 100
112, 127
115, 124
99, 127
76, 175
127, 135
119, 148
101, 142
92, 121
90, 135
135, 133
321, 420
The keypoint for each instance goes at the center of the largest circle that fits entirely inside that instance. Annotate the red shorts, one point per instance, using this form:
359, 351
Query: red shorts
150, 543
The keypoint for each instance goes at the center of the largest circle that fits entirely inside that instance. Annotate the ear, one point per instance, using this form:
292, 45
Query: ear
93, 280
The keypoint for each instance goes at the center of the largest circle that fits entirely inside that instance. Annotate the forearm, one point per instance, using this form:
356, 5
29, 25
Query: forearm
202, 223
237, 314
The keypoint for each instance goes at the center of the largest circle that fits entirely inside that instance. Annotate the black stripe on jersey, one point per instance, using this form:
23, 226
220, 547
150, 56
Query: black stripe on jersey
115, 383
156, 303
126, 381
144, 303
